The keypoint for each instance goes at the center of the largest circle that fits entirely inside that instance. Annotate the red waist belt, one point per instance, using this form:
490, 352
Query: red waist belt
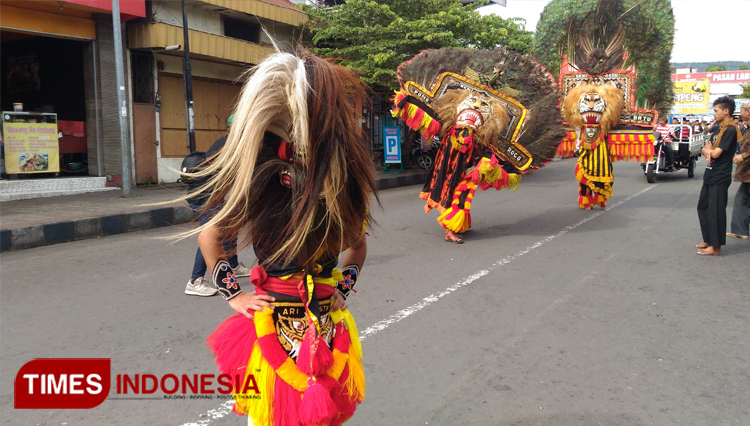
291, 287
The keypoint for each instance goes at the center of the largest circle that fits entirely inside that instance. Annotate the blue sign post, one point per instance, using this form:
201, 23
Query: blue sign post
392, 148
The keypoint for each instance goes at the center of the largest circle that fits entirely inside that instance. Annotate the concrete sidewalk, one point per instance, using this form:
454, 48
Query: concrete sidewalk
44, 221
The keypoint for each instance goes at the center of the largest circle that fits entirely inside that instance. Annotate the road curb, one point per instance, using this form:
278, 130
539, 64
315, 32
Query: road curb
80, 229
118, 223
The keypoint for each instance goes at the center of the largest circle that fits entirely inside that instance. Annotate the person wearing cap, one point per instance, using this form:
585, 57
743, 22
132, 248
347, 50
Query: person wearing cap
198, 285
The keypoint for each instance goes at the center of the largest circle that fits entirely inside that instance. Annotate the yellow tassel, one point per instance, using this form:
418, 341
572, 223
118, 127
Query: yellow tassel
260, 410
264, 323
513, 181
289, 373
339, 362
356, 380
353, 333
337, 275
456, 223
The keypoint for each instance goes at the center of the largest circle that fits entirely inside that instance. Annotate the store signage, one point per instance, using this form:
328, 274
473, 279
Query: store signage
30, 147
691, 97
715, 77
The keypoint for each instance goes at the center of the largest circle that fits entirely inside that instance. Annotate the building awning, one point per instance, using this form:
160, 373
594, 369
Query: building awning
268, 9
160, 35
48, 24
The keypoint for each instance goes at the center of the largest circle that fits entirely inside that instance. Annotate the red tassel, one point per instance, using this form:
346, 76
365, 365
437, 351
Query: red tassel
285, 404
344, 404
232, 343
317, 408
314, 358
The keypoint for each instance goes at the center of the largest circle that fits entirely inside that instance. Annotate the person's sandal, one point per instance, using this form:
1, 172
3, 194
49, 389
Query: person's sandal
744, 237
452, 238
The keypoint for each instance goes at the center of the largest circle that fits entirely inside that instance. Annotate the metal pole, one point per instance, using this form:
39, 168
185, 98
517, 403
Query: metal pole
121, 102
188, 77
96, 113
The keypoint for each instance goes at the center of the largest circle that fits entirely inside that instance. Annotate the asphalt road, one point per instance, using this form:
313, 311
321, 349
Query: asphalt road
548, 315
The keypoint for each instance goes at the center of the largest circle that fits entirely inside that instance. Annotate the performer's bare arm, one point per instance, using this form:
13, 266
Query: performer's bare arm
213, 251
356, 254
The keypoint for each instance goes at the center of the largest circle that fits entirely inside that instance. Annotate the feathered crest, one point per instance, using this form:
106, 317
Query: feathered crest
315, 105
599, 45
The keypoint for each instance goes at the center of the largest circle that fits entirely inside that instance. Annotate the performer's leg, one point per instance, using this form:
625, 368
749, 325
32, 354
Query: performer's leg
457, 218
586, 197
741, 212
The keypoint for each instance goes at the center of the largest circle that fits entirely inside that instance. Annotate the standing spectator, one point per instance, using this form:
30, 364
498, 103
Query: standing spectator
697, 129
741, 210
712, 203
198, 286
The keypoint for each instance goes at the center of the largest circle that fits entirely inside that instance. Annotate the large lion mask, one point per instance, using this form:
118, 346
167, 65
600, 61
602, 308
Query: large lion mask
595, 107
486, 116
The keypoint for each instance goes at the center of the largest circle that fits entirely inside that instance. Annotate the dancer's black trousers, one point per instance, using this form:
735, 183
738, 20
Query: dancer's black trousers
712, 213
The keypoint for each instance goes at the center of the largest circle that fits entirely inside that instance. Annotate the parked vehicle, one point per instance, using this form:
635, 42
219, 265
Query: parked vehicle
423, 157
687, 150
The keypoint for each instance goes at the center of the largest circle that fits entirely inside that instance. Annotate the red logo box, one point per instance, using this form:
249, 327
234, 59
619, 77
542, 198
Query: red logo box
62, 383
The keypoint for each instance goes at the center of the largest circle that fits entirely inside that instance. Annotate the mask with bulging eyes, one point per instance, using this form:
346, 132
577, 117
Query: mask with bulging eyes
474, 111
592, 106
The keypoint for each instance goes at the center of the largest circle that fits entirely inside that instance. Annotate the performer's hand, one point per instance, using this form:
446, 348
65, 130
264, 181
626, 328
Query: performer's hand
338, 301
738, 159
251, 301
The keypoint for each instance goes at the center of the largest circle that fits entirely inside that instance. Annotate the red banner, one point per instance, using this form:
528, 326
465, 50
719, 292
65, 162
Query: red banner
715, 77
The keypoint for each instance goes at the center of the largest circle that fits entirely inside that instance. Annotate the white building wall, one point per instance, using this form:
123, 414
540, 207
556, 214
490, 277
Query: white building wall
170, 12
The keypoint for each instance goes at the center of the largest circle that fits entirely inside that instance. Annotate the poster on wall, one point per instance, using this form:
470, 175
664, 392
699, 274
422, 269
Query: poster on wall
691, 97
30, 145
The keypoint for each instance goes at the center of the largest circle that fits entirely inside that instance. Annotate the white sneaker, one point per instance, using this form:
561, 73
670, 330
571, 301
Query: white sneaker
200, 287
241, 270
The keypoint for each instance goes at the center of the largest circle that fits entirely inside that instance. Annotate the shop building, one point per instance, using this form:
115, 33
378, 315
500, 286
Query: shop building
58, 57
226, 38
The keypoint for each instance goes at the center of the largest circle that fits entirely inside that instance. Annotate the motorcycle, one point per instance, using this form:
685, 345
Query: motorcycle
687, 149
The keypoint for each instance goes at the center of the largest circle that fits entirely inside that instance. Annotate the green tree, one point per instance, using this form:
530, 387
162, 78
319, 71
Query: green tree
745, 90
714, 68
375, 37
744, 67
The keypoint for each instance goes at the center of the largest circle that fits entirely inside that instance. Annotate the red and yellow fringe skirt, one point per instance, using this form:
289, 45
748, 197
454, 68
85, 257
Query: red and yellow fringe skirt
322, 383
595, 176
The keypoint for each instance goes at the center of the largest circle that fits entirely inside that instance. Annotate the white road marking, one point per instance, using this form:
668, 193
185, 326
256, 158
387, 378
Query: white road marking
427, 301
226, 407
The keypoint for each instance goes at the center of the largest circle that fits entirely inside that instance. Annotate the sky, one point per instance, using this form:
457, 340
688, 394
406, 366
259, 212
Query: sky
694, 21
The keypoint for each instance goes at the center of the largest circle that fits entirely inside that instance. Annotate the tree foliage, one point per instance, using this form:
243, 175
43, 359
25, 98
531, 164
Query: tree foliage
745, 90
714, 68
375, 37
744, 67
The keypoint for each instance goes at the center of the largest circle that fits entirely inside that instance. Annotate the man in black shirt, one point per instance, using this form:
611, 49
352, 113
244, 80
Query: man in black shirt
712, 203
